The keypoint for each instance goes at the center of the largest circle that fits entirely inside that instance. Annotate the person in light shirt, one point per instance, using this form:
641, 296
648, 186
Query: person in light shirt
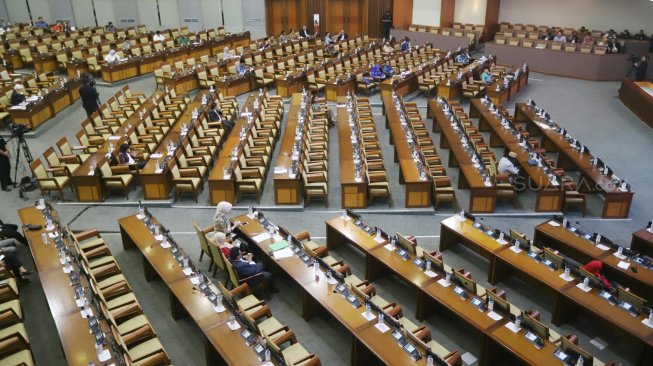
507, 165
125, 157
387, 48
486, 76
158, 37
559, 37
112, 56
226, 53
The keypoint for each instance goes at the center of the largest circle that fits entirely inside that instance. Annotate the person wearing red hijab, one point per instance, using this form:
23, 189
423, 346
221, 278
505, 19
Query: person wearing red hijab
594, 267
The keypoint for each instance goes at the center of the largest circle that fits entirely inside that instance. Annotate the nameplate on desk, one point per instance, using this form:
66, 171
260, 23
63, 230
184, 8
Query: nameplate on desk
389, 247
515, 249
647, 322
623, 265
367, 316
188, 271
233, 325
602, 247
494, 316
566, 277
554, 223
165, 244
379, 239
443, 282
155, 156
513, 328
582, 286
382, 327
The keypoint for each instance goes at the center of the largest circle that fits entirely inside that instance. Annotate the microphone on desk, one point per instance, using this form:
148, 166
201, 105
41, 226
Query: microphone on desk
583, 227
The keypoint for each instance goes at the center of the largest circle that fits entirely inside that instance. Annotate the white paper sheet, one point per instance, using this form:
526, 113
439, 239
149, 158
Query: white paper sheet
188, 271
219, 308
554, 223
233, 325
261, 237
566, 278
623, 265
283, 253
494, 316
104, 356
512, 327
443, 282
602, 247
382, 327
581, 286
370, 317
379, 240
430, 273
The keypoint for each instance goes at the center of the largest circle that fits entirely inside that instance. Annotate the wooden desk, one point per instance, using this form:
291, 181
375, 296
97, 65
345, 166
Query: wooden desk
592, 180
222, 187
335, 89
451, 89
77, 343
290, 84
482, 198
317, 296
221, 344
287, 188
549, 195
76, 68
353, 192
432, 297
119, 70
45, 62
504, 94
418, 191
89, 188
157, 185
640, 101
401, 86
642, 242
584, 251
236, 85
183, 82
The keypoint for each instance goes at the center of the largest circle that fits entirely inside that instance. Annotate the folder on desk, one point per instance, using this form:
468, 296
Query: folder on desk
279, 245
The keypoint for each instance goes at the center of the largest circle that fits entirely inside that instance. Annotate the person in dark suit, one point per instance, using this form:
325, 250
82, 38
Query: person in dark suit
215, 115
18, 96
5, 166
10, 231
342, 36
304, 32
246, 267
640, 67
386, 24
90, 96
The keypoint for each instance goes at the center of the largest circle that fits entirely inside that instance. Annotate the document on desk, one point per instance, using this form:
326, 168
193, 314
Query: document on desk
443, 282
554, 223
261, 237
382, 327
233, 325
494, 316
104, 356
430, 273
367, 316
155, 156
219, 308
647, 322
280, 170
389, 247
602, 247
165, 244
158, 237
188, 271
379, 239
566, 277
623, 265
283, 253
620, 256
582, 286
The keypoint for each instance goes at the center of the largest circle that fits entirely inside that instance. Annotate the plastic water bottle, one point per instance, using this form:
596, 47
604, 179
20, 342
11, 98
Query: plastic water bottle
448, 277
368, 310
344, 214
428, 265
316, 268
567, 272
232, 319
328, 275
580, 361
586, 282
518, 323
381, 317
44, 238
490, 305
267, 356
429, 361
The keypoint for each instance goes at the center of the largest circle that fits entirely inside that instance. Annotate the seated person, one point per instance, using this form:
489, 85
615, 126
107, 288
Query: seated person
388, 70
342, 36
559, 37
594, 267
58, 27
8, 245
327, 39
125, 157
14, 264
376, 73
507, 165
183, 40
158, 37
220, 240
282, 37
216, 115
387, 48
463, 57
641, 36
226, 54
111, 57
40, 23
405, 44
486, 76
588, 41
613, 46
574, 39
10, 231
18, 95
245, 266
241, 68
625, 34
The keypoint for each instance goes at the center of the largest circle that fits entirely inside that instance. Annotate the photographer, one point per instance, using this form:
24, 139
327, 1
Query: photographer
5, 166
89, 95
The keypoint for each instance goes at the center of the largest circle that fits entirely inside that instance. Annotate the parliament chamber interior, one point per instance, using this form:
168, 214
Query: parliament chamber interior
326, 182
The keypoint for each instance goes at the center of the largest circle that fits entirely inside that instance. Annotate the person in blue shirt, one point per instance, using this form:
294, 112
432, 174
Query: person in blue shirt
41, 24
376, 72
405, 45
241, 68
487, 77
388, 70
246, 267
463, 57
327, 39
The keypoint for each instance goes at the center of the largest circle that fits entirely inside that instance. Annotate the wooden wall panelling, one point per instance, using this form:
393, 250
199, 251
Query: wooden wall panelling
491, 19
285, 14
402, 13
376, 10
447, 10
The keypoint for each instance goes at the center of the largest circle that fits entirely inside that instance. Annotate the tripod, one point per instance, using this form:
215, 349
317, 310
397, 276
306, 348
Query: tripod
22, 144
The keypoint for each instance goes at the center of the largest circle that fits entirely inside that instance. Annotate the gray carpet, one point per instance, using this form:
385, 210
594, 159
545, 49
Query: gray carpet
589, 110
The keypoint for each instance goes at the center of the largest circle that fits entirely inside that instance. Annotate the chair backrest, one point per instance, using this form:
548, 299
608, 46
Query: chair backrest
105, 170
204, 245
233, 275
38, 169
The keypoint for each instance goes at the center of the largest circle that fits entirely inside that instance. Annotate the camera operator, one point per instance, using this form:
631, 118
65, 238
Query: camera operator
90, 96
5, 166
640, 67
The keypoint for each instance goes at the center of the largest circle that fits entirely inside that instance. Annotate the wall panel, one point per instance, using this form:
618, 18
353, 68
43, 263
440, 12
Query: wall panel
104, 12
147, 13
17, 11
254, 17
470, 11
39, 8
83, 12
125, 10
61, 9
211, 13
233, 15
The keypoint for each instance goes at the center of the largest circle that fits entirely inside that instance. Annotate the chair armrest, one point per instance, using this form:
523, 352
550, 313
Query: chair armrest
120, 169
92, 233
190, 173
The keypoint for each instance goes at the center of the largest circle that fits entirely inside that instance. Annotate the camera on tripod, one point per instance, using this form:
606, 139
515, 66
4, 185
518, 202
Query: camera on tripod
18, 130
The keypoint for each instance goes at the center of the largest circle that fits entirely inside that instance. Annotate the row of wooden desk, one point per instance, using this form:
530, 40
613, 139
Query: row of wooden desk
87, 182
499, 344
592, 180
500, 93
452, 88
353, 190
141, 65
549, 195
482, 198
369, 345
77, 343
418, 190
287, 185
569, 298
222, 345
36, 113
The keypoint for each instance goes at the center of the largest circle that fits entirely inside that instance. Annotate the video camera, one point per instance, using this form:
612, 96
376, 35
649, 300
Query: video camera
18, 130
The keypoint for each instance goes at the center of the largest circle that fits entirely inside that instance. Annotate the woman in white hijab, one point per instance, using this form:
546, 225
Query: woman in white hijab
221, 221
111, 57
